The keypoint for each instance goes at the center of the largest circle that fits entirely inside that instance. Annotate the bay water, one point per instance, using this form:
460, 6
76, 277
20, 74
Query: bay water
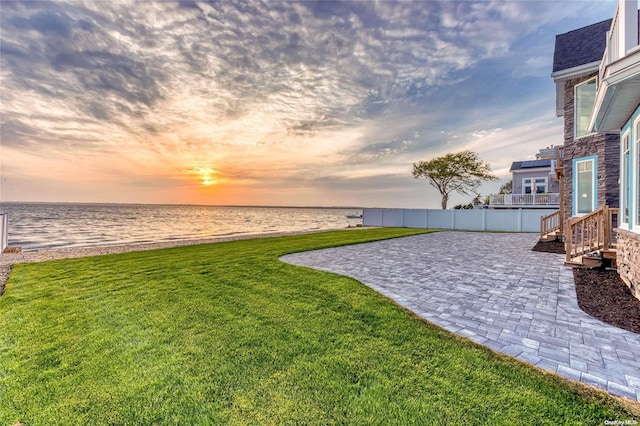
36, 226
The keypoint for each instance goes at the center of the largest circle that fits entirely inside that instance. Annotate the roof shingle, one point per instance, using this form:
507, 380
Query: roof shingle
581, 46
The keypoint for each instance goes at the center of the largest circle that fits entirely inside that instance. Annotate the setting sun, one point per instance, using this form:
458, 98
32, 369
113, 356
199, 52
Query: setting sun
207, 175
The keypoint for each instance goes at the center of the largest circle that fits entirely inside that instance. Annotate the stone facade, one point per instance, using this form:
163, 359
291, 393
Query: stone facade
628, 255
605, 146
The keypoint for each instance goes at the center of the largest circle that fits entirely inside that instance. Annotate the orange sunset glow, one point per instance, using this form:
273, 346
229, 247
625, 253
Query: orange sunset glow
290, 103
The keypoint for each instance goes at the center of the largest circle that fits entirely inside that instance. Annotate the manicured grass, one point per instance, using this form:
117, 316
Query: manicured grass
226, 333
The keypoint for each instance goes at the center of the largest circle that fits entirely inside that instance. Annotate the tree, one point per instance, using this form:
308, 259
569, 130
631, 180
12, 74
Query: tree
506, 188
462, 172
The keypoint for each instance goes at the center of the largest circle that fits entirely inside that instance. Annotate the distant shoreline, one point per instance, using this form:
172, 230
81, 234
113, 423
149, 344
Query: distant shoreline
91, 203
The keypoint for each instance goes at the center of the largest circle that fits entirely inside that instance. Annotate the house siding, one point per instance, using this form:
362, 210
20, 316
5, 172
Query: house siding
628, 255
628, 234
605, 146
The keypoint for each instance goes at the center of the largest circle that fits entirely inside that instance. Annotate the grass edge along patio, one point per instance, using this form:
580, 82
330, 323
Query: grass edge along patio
226, 333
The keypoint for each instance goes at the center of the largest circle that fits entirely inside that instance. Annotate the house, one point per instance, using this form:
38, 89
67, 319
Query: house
591, 159
597, 74
590, 166
616, 110
534, 183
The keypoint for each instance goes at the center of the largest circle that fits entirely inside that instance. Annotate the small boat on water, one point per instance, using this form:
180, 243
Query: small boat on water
354, 216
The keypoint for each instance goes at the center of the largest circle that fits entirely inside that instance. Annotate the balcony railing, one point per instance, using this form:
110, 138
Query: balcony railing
525, 200
618, 42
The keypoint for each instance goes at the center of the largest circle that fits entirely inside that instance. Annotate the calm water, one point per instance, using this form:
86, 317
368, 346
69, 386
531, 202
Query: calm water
34, 226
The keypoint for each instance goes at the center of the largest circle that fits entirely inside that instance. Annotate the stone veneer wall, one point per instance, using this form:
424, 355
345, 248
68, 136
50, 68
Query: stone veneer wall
605, 146
628, 260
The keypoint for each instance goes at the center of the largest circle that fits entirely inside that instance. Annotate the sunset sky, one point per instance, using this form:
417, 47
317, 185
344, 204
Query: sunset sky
274, 103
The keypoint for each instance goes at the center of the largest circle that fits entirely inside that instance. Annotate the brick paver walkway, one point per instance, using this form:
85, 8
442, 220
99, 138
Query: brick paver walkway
493, 289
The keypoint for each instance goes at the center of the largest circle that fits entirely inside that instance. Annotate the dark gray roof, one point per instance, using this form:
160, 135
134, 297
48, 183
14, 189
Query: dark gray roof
529, 164
581, 46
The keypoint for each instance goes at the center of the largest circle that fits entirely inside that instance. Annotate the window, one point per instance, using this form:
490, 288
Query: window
584, 185
534, 185
625, 181
636, 171
585, 97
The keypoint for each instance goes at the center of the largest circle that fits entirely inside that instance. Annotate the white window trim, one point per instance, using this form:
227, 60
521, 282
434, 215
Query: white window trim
524, 185
575, 110
546, 184
574, 184
532, 182
623, 182
635, 195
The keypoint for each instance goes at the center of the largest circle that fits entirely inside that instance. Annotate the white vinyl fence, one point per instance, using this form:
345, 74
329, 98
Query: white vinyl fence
4, 231
520, 220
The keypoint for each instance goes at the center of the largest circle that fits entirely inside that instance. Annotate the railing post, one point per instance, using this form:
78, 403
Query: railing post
568, 241
543, 228
606, 238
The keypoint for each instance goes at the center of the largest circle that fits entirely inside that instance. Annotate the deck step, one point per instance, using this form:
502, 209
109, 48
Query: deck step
551, 236
591, 261
584, 262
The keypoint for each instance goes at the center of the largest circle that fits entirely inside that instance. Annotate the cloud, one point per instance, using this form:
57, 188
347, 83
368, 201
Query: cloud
262, 91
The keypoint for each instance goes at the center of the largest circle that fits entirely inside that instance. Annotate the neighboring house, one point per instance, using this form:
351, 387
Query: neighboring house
617, 110
534, 183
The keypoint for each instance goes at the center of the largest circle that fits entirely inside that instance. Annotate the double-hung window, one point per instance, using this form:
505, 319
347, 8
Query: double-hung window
585, 197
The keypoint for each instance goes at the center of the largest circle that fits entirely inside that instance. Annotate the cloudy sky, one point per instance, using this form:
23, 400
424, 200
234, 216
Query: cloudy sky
271, 103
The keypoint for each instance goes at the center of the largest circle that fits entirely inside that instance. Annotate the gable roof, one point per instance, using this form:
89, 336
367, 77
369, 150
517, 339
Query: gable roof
529, 164
581, 46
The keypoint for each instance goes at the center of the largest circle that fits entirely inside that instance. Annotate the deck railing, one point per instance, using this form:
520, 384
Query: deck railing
521, 200
618, 43
591, 232
551, 223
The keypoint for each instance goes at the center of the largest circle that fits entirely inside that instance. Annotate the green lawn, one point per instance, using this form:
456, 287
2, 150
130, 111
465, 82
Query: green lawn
226, 333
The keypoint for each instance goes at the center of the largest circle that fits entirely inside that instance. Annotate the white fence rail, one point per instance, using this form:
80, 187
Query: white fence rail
551, 199
4, 231
520, 220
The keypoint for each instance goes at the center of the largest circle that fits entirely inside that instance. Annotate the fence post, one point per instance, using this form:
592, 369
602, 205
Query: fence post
519, 220
4, 231
453, 219
484, 219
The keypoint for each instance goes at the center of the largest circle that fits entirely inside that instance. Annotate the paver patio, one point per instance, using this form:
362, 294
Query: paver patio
491, 288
